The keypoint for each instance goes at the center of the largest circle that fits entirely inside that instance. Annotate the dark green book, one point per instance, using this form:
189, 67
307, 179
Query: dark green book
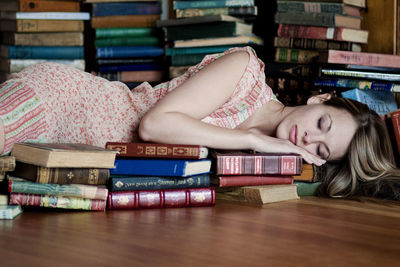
186, 60
128, 41
307, 189
124, 32
198, 50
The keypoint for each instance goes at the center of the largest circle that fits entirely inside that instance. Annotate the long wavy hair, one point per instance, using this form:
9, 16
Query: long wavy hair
368, 168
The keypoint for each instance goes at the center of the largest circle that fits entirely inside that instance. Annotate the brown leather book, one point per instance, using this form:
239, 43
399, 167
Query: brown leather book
43, 39
38, 25
40, 5
125, 21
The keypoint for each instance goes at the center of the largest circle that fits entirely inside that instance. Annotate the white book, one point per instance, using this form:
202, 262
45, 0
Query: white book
46, 15
9, 211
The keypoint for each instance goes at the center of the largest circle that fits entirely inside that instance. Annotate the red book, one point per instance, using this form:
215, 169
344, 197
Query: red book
249, 180
149, 150
323, 33
240, 163
361, 58
394, 118
168, 198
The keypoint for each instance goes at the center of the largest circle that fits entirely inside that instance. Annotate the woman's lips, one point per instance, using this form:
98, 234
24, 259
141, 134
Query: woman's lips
293, 134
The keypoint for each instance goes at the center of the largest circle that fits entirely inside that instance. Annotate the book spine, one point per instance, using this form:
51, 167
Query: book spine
32, 25
312, 19
196, 31
258, 165
48, 6
393, 77
125, 21
156, 150
309, 7
44, 39
136, 67
231, 11
57, 202
104, 33
126, 41
128, 61
52, 15
7, 163
314, 44
45, 52
297, 31
132, 183
127, 8
243, 180
395, 117
197, 50
170, 198
359, 84
211, 4
129, 51
295, 55
74, 190
360, 58
186, 60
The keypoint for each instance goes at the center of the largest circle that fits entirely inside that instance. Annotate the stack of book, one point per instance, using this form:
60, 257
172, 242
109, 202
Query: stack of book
160, 176
34, 31
68, 176
129, 47
306, 28
7, 164
207, 27
256, 178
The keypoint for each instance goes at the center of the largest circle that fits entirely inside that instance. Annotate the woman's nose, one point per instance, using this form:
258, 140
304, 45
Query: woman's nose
310, 137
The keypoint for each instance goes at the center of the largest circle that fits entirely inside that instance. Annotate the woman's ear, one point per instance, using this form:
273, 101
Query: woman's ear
318, 99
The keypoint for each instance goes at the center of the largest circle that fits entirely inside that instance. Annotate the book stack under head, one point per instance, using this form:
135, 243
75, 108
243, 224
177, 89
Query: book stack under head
256, 178
129, 47
7, 164
207, 27
68, 176
35, 31
306, 28
160, 176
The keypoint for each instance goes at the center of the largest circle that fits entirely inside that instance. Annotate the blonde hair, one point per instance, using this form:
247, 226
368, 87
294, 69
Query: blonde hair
368, 168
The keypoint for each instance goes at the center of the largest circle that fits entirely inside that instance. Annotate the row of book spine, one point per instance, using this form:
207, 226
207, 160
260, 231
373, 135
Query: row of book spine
35, 31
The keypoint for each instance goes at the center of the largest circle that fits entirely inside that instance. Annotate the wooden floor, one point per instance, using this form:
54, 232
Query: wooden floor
306, 232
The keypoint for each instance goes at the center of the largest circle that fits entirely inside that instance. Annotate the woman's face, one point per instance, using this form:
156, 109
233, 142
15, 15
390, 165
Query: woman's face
320, 129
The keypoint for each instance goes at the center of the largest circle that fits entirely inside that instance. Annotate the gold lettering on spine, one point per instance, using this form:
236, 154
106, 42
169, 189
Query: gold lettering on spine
257, 165
93, 176
43, 175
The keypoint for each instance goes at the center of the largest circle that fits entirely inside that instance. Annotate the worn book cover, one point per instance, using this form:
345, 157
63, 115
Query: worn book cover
7, 163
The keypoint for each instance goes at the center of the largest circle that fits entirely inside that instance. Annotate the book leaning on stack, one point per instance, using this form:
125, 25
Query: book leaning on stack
129, 47
67, 176
256, 178
160, 176
7, 164
207, 27
35, 31
306, 28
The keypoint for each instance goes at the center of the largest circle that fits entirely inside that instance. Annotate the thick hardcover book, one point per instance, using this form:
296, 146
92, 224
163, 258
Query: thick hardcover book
290, 55
64, 155
42, 52
155, 150
312, 173
9, 211
210, 4
307, 188
208, 30
324, 33
16, 65
249, 180
196, 20
7, 163
234, 40
358, 3
168, 198
125, 21
186, 60
40, 5
43, 39
105, 33
231, 11
196, 50
381, 101
290, 70
45, 15
33, 25
394, 130
134, 67
359, 84
134, 76
129, 51
260, 195
16, 185
125, 8
318, 7
57, 202
315, 44
128, 41
241, 163
38, 174
131, 183
318, 19
161, 167
359, 74
361, 58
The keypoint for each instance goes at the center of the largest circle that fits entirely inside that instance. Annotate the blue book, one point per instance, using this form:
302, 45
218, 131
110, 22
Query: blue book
116, 68
211, 4
161, 167
126, 8
381, 101
129, 51
129, 183
42, 52
359, 84
198, 50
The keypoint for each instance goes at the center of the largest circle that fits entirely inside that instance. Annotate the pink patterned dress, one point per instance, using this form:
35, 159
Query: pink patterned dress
50, 102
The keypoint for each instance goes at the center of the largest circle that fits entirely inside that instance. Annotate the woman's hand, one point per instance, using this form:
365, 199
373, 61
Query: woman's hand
268, 144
